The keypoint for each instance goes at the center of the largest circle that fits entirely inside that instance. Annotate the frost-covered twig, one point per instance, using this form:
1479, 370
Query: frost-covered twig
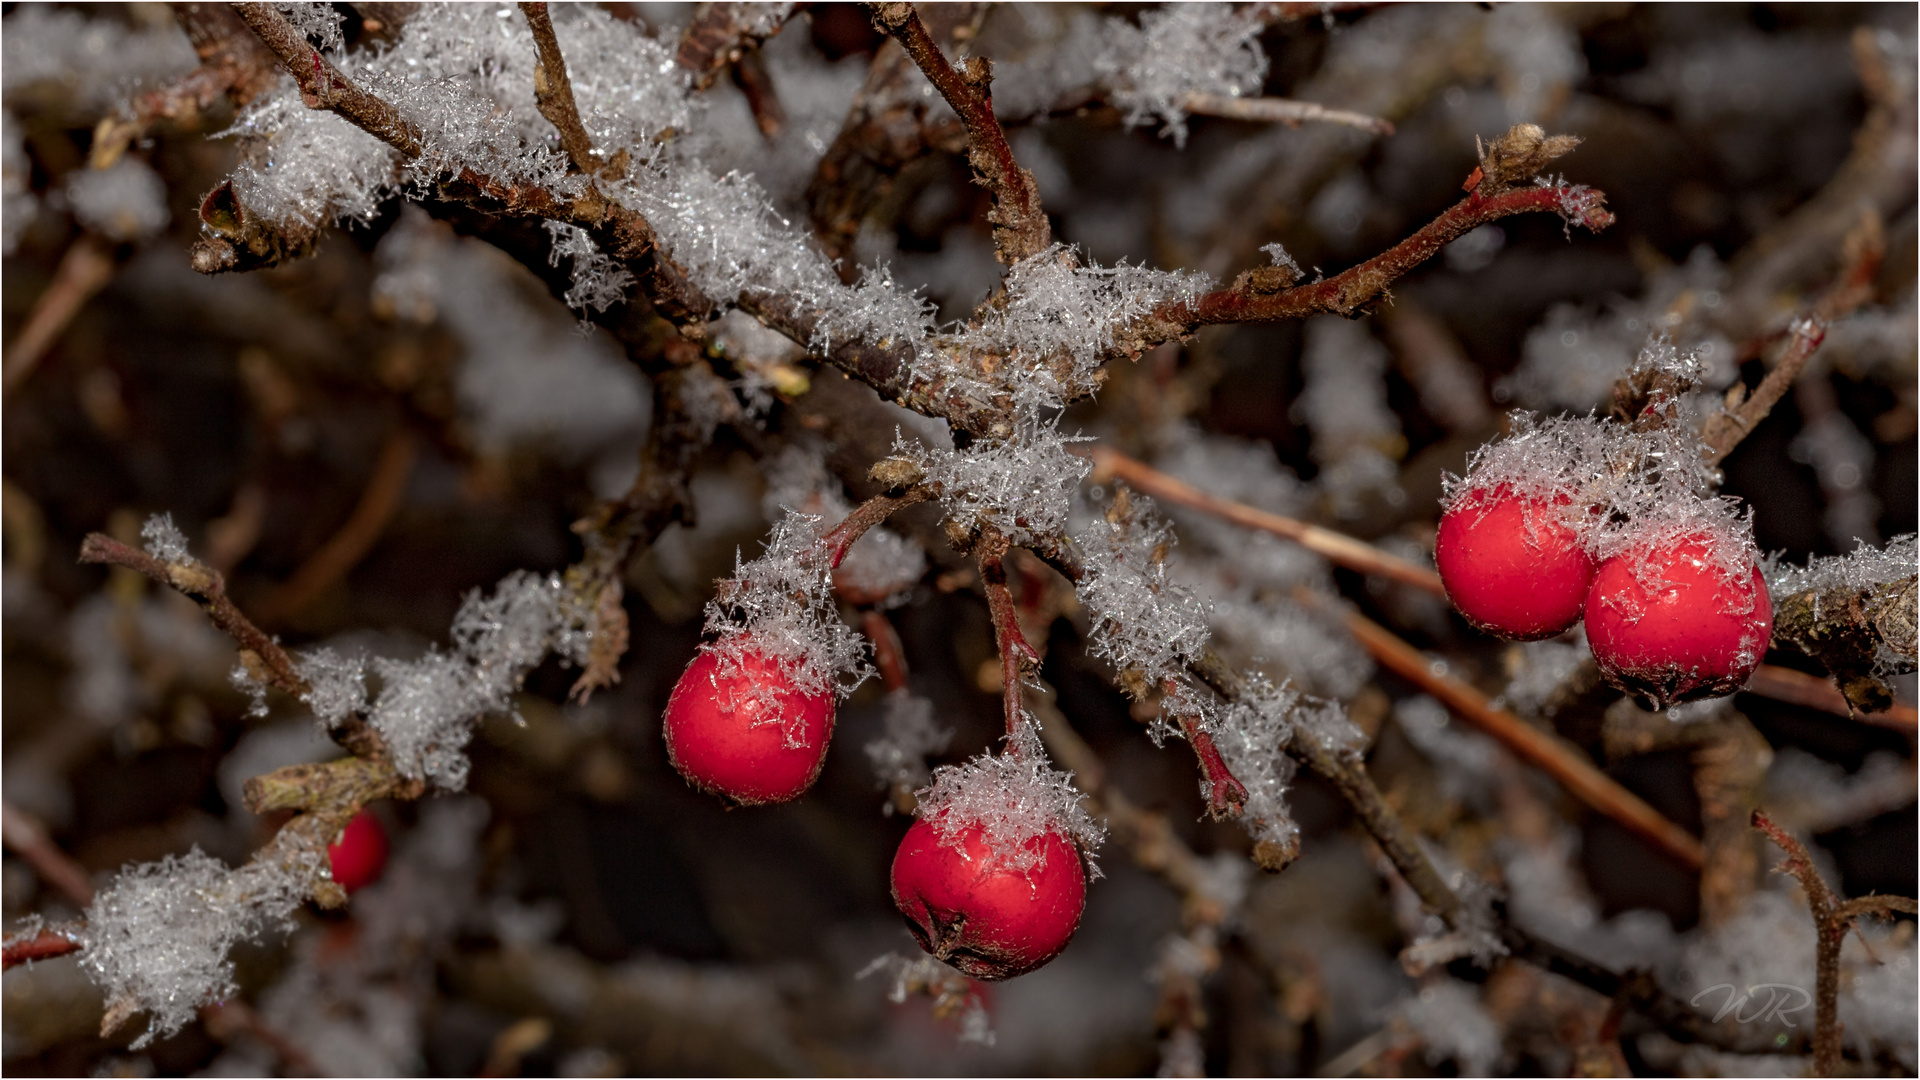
1832, 918
233, 64
379, 501
1020, 228
840, 539
37, 943
1855, 614
1723, 431
1532, 745
1337, 548
1266, 110
322, 86
553, 93
83, 271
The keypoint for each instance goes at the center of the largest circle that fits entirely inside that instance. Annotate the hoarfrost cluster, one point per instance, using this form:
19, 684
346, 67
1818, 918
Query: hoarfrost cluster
1015, 798
909, 736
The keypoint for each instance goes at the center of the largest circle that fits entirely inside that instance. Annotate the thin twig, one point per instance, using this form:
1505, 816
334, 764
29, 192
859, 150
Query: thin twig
889, 655
322, 86
42, 945
1544, 751
28, 838
344, 549
83, 271
1020, 226
1831, 920
1812, 691
1016, 654
1723, 431
1267, 110
840, 539
1337, 548
268, 662
719, 35
553, 93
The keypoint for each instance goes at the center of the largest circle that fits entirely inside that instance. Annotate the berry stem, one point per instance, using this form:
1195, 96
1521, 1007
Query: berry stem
1014, 648
1226, 795
888, 653
840, 539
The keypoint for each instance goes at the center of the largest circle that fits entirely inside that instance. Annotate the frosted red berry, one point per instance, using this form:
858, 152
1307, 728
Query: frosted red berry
1679, 628
749, 734
970, 908
1511, 564
357, 859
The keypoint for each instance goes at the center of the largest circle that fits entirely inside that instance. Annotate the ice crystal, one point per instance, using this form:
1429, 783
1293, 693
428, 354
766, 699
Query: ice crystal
910, 736
336, 685
1862, 570
1252, 735
1146, 626
1356, 437
1177, 50
158, 937
881, 565
164, 540
318, 23
1022, 486
125, 201
949, 989
1015, 798
598, 281
781, 607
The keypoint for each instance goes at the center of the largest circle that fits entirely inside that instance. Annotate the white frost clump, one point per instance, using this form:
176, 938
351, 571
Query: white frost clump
1022, 486
1015, 798
1866, 567
781, 608
1143, 624
126, 201
899, 755
1252, 735
1451, 1023
1178, 50
157, 939
164, 540
337, 685
318, 23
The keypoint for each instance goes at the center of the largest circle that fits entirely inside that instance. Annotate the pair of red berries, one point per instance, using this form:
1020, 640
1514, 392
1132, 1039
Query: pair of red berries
745, 731
1666, 622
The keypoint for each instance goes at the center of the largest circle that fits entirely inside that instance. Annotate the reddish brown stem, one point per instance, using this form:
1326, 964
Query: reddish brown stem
888, 654
1014, 648
28, 838
1337, 548
1226, 795
1814, 692
1724, 430
1020, 226
1347, 292
840, 539
45, 945
1532, 745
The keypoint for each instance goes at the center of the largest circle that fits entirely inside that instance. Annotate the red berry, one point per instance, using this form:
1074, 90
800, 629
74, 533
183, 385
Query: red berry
749, 734
968, 907
359, 856
1695, 634
1511, 565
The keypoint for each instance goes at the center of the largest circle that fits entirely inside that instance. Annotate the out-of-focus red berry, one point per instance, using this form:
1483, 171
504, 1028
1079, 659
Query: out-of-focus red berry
1695, 634
968, 907
750, 735
1511, 565
360, 855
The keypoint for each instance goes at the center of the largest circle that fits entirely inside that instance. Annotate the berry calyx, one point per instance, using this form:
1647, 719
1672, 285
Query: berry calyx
968, 906
358, 858
1673, 624
1511, 564
743, 729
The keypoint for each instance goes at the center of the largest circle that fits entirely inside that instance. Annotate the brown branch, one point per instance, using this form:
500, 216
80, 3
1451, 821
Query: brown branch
322, 86
840, 539
1723, 431
262, 656
1850, 631
553, 93
233, 64
1337, 548
28, 838
750, 74
719, 35
1831, 920
42, 945
1020, 226
1544, 751
83, 271
1812, 691
344, 549
1016, 654
1351, 291
1266, 110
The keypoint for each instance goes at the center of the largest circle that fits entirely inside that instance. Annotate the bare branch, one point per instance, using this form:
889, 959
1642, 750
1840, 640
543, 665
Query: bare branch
553, 93
1814, 692
322, 86
1723, 431
1265, 110
27, 837
83, 271
1020, 226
